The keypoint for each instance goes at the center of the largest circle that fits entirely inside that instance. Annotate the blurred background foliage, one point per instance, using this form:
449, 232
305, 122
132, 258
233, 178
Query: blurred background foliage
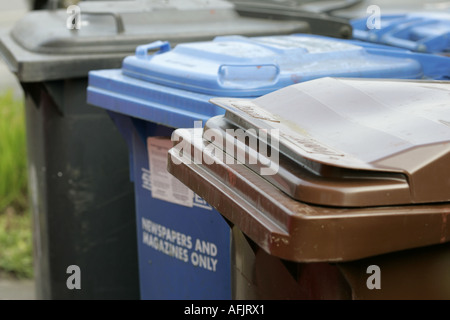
15, 220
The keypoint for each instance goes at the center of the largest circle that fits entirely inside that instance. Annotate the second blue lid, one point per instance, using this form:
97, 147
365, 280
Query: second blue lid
421, 32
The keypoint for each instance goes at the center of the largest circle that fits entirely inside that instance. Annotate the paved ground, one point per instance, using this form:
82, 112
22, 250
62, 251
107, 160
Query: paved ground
12, 289
11, 11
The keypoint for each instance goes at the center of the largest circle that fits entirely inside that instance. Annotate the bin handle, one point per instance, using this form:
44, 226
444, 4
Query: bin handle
390, 37
162, 46
117, 19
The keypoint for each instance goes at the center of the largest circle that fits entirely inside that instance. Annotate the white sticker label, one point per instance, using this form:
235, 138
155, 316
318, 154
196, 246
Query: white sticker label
164, 185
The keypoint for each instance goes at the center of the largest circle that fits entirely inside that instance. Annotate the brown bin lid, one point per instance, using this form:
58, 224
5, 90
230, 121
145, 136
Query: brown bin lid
353, 142
304, 232
295, 230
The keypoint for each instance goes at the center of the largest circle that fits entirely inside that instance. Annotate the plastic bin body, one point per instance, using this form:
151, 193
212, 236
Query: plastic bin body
194, 262
83, 202
78, 196
150, 97
184, 244
421, 32
413, 274
369, 199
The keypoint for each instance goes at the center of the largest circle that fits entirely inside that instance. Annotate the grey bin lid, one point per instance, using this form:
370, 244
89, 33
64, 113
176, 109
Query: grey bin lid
41, 47
317, 16
351, 142
344, 9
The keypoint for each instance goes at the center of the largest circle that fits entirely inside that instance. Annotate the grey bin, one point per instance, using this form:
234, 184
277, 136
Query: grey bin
316, 13
82, 197
338, 9
361, 8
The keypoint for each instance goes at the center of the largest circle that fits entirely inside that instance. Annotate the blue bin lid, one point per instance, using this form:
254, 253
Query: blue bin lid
421, 32
251, 66
172, 87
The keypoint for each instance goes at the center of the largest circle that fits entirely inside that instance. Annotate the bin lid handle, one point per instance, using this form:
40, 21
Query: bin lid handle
142, 51
117, 18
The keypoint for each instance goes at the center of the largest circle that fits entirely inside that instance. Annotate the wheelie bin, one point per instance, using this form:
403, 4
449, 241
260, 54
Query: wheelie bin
335, 188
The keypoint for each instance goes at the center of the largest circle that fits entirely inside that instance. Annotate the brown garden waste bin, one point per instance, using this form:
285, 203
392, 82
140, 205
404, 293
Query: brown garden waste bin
335, 188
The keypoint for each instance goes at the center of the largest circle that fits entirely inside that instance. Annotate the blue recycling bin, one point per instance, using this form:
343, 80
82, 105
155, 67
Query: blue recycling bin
420, 32
184, 244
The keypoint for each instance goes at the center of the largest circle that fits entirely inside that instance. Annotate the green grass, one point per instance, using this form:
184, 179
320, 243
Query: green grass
15, 220
16, 255
13, 157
